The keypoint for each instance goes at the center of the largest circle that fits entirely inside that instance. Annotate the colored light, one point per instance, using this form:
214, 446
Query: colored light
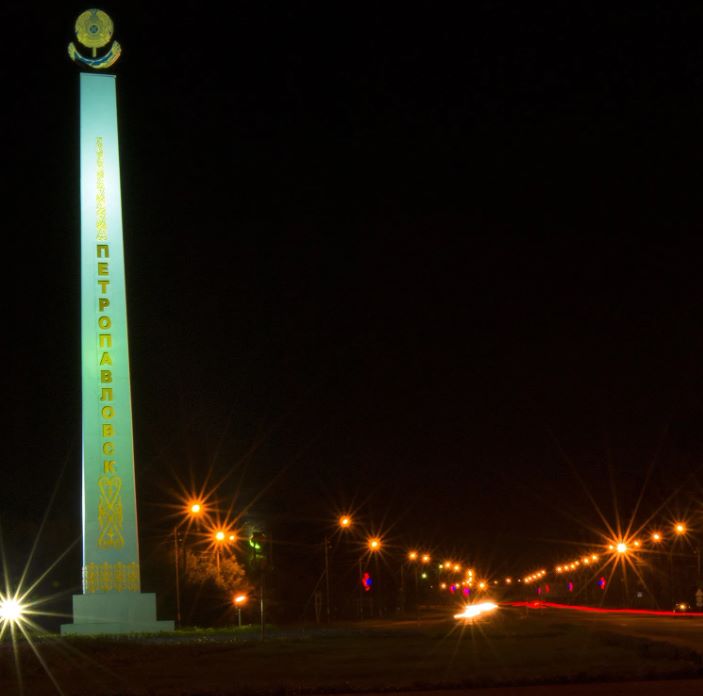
680, 528
426, 558
412, 555
240, 599
621, 547
345, 521
219, 535
196, 509
656, 536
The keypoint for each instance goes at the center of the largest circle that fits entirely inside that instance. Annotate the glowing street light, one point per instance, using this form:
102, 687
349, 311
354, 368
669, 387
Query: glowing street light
426, 558
621, 547
374, 544
219, 535
11, 610
412, 555
194, 509
238, 601
680, 528
345, 521
656, 537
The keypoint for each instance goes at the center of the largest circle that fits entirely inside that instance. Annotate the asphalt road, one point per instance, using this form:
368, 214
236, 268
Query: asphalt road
685, 631
674, 687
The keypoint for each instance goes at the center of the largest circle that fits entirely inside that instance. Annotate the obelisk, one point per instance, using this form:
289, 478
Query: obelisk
111, 601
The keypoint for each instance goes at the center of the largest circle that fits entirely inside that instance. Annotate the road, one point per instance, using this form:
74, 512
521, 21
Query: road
686, 631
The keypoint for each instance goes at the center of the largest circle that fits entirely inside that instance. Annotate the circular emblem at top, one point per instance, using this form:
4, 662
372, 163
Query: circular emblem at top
94, 28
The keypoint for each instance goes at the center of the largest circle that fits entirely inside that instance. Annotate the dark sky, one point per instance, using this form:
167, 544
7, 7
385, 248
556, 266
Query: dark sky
441, 265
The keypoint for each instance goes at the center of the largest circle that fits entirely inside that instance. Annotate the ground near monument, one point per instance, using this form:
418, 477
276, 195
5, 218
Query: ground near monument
509, 647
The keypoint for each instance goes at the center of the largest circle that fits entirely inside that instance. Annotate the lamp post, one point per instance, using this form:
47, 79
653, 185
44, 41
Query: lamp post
412, 557
680, 531
194, 511
344, 522
373, 545
239, 600
219, 537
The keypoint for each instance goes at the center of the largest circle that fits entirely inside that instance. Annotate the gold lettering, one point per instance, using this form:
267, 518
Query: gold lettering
102, 303
103, 285
108, 430
108, 448
107, 342
106, 376
109, 466
106, 393
103, 268
104, 322
103, 249
107, 412
106, 359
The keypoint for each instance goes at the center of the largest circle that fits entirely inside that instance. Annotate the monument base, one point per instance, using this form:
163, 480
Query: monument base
114, 612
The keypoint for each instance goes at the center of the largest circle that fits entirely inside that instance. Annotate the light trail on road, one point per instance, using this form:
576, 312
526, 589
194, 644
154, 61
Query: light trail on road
601, 610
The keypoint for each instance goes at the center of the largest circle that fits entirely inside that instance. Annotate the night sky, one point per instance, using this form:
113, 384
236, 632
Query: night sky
439, 267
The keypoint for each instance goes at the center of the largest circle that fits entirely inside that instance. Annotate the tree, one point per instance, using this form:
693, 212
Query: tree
226, 573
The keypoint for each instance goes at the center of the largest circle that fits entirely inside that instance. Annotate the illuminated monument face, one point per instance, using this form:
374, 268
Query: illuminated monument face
111, 601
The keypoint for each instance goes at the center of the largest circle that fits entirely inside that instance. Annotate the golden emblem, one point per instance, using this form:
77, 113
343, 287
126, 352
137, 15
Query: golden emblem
94, 30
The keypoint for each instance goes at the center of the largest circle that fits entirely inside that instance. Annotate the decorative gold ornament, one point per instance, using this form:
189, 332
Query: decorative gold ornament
94, 28
110, 517
111, 577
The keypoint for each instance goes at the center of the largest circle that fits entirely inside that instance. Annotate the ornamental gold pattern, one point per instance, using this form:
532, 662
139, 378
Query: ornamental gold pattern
110, 520
100, 210
111, 577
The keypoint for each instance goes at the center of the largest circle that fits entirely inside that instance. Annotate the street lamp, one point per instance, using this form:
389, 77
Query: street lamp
344, 522
373, 545
194, 510
239, 600
220, 536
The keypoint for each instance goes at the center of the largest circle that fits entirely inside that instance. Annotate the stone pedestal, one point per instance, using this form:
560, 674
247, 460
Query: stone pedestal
113, 612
